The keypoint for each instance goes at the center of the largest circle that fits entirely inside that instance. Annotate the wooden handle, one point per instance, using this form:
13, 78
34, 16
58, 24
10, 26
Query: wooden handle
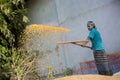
75, 42
84, 46
69, 42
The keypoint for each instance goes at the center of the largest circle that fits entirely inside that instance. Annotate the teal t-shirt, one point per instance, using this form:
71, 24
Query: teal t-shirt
96, 40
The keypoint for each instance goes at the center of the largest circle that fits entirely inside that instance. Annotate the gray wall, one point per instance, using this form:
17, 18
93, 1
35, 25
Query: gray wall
74, 14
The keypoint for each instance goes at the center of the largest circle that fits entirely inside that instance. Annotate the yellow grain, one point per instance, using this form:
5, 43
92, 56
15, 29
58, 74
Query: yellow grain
34, 32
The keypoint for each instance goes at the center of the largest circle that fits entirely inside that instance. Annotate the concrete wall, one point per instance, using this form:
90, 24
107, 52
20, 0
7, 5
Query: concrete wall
74, 14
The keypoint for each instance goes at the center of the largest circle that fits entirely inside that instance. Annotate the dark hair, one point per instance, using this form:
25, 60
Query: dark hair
91, 23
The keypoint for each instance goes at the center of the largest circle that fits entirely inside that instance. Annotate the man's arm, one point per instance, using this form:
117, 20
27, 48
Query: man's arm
83, 44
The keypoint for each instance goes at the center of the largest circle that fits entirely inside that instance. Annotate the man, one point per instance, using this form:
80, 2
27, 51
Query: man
100, 56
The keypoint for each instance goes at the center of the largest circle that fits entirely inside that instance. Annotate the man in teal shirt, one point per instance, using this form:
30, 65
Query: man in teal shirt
95, 38
100, 56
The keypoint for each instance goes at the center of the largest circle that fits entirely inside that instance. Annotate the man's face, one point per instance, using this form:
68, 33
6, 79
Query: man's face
89, 27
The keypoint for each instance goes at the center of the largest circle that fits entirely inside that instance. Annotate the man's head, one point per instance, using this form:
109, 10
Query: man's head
90, 25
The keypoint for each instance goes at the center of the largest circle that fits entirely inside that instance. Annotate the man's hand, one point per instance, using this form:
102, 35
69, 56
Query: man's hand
82, 45
73, 42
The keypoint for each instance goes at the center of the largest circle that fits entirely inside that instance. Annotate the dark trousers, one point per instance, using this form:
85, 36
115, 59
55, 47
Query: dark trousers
102, 62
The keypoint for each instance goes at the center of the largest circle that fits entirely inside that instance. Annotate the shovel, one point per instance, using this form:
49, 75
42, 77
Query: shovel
77, 42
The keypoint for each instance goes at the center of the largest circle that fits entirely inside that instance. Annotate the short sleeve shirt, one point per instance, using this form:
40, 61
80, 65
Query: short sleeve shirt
96, 40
